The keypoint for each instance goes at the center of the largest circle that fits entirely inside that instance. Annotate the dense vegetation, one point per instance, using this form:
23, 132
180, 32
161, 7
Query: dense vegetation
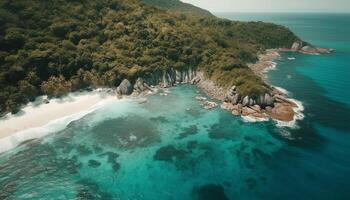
56, 46
178, 6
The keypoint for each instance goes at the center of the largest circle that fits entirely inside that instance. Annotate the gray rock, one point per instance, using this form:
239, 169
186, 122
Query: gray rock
297, 46
251, 102
141, 86
125, 88
235, 99
245, 101
268, 100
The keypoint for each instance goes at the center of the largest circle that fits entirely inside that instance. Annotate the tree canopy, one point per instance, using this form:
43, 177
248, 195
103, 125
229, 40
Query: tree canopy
56, 46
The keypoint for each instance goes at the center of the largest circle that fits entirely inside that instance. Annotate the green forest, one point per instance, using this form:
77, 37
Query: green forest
54, 47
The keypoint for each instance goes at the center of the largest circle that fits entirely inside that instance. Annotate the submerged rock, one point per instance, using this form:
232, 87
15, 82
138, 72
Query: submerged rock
209, 192
94, 163
169, 153
192, 130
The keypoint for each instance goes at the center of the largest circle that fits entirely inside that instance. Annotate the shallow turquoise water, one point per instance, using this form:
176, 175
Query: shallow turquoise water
159, 150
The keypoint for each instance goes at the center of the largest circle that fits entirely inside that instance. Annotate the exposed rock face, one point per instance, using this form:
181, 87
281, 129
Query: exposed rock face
314, 50
140, 86
125, 88
308, 49
297, 46
171, 77
233, 97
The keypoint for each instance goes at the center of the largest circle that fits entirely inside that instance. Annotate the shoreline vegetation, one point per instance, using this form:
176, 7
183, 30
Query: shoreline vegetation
98, 44
130, 46
39, 114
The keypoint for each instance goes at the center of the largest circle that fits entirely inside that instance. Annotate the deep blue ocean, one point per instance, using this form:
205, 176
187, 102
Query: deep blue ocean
171, 148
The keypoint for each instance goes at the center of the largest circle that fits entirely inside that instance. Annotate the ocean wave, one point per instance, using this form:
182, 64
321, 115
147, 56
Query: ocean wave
250, 119
12, 141
284, 91
271, 67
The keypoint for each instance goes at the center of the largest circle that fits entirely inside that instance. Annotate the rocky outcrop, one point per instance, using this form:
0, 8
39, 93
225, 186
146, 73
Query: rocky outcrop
140, 86
281, 111
171, 77
125, 88
234, 97
297, 46
274, 105
314, 50
304, 48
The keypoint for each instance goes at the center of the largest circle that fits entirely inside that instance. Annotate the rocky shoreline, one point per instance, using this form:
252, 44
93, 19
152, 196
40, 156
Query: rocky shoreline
274, 104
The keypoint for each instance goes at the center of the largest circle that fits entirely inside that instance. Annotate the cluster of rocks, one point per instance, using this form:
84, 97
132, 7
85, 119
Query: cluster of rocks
274, 105
172, 77
301, 47
206, 104
234, 97
254, 111
126, 88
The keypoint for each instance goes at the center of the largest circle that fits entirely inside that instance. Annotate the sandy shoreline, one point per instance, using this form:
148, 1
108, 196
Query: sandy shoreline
15, 129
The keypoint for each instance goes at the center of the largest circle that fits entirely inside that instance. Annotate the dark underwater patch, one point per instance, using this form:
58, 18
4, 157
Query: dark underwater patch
89, 190
251, 183
97, 149
305, 137
112, 159
260, 155
186, 156
7, 190
209, 192
192, 145
126, 132
111, 156
169, 154
220, 131
159, 119
84, 150
94, 163
191, 130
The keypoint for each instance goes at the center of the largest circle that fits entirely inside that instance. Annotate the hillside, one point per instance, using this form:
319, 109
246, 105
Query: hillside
54, 47
178, 6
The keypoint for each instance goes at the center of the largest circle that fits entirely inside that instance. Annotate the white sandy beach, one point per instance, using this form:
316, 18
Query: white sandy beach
35, 116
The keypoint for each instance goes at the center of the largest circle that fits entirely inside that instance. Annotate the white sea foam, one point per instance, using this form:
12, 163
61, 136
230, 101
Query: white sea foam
272, 66
286, 134
14, 140
284, 91
251, 119
37, 113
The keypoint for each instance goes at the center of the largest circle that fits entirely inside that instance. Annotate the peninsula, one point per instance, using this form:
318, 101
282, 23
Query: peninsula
130, 45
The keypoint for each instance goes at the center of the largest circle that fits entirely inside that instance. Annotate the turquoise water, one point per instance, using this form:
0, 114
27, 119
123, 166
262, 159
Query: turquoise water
162, 150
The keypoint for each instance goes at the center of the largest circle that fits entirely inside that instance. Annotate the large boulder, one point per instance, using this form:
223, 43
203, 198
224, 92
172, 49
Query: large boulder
282, 111
245, 101
297, 46
125, 88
